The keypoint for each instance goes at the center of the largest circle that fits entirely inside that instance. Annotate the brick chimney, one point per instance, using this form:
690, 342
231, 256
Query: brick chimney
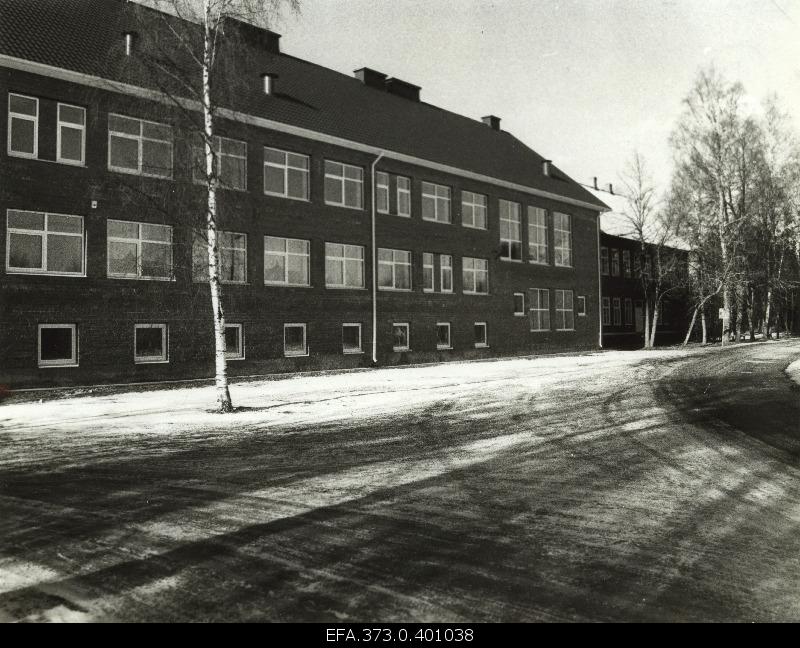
492, 121
371, 78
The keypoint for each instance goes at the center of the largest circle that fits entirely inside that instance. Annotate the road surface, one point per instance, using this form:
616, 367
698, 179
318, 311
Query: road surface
635, 487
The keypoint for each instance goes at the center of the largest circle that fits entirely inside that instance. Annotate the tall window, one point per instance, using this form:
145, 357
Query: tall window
539, 309
427, 272
400, 337
628, 311
615, 263
234, 342
230, 157
445, 273
435, 202
150, 343
605, 266
344, 265
519, 304
394, 269
403, 196
23, 126
344, 185
473, 210
626, 262
562, 239
71, 134
285, 174
581, 306
57, 345
617, 302
481, 338
38, 242
443, 336
139, 146
565, 314
537, 235
232, 257
286, 261
139, 250
382, 192
475, 276
510, 231
294, 340
606, 310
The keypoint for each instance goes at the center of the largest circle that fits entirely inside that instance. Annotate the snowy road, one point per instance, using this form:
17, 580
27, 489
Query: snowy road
615, 486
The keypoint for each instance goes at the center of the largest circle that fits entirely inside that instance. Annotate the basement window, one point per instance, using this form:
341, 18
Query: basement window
234, 342
481, 340
150, 343
519, 304
351, 338
58, 345
294, 340
443, 336
400, 337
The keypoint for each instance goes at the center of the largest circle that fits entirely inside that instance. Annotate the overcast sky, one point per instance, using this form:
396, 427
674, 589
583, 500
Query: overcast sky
583, 82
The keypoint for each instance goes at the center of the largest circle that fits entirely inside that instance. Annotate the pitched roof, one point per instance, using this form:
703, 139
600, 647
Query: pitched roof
81, 35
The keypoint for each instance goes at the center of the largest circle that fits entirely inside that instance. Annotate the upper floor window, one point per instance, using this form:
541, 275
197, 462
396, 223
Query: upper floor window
23, 126
382, 192
605, 267
44, 243
71, 134
344, 185
475, 276
445, 273
435, 202
286, 261
562, 239
606, 311
403, 196
626, 262
537, 235
232, 257
615, 263
394, 269
565, 313
427, 272
539, 299
510, 231
139, 146
231, 162
617, 303
139, 250
473, 210
285, 174
344, 265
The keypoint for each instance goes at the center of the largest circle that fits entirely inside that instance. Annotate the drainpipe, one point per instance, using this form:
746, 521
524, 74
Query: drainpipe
374, 267
599, 285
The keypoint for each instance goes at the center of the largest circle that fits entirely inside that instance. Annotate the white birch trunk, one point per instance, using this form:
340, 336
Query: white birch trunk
703, 325
653, 326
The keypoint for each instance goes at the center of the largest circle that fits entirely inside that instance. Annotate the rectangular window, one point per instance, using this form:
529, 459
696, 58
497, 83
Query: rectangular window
230, 157
394, 269
606, 308
537, 235
57, 345
443, 336
382, 192
42, 243
150, 343
400, 337
286, 261
294, 340
286, 174
344, 266
539, 309
605, 267
427, 272
481, 339
71, 134
510, 231
562, 239
626, 263
23, 126
581, 306
139, 250
344, 185
232, 256
565, 315
403, 196
435, 202
519, 304
351, 338
615, 263
234, 342
139, 146
475, 276
445, 273
628, 311
473, 210
617, 302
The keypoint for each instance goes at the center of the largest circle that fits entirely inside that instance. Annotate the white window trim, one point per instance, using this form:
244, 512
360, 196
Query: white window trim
615, 256
344, 259
293, 354
432, 266
473, 204
285, 169
81, 127
43, 235
360, 339
286, 255
139, 139
398, 349
605, 307
164, 357
442, 269
532, 228
34, 119
474, 275
139, 240
218, 155
394, 263
442, 347
508, 219
344, 179
556, 248
522, 312
48, 364
565, 310
541, 309
378, 187
403, 191
435, 195
221, 247
581, 305
231, 355
485, 343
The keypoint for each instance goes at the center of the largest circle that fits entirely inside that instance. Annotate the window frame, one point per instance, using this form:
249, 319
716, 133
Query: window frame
81, 128
605, 311
542, 312
474, 272
568, 234
506, 217
73, 361
570, 310
605, 261
626, 264
343, 179
43, 235
472, 204
519, 313
139, 140
199, 149
628, 315
406, 191
442, 269
535, 227
616, 310
615, 265
24, 117
139, 240
432, 267
581, 310
286, 255
360, 350
394, 263
442, 347
343, 260
382, 189
220, 247
285, 168
240, 355
448, 198
164, 357
306, 352
407, 347
485, 343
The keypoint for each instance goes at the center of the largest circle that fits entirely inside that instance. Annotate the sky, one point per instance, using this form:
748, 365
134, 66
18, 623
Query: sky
582, 82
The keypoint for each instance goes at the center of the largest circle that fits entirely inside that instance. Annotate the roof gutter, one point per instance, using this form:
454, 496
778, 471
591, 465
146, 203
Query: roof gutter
374, 266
